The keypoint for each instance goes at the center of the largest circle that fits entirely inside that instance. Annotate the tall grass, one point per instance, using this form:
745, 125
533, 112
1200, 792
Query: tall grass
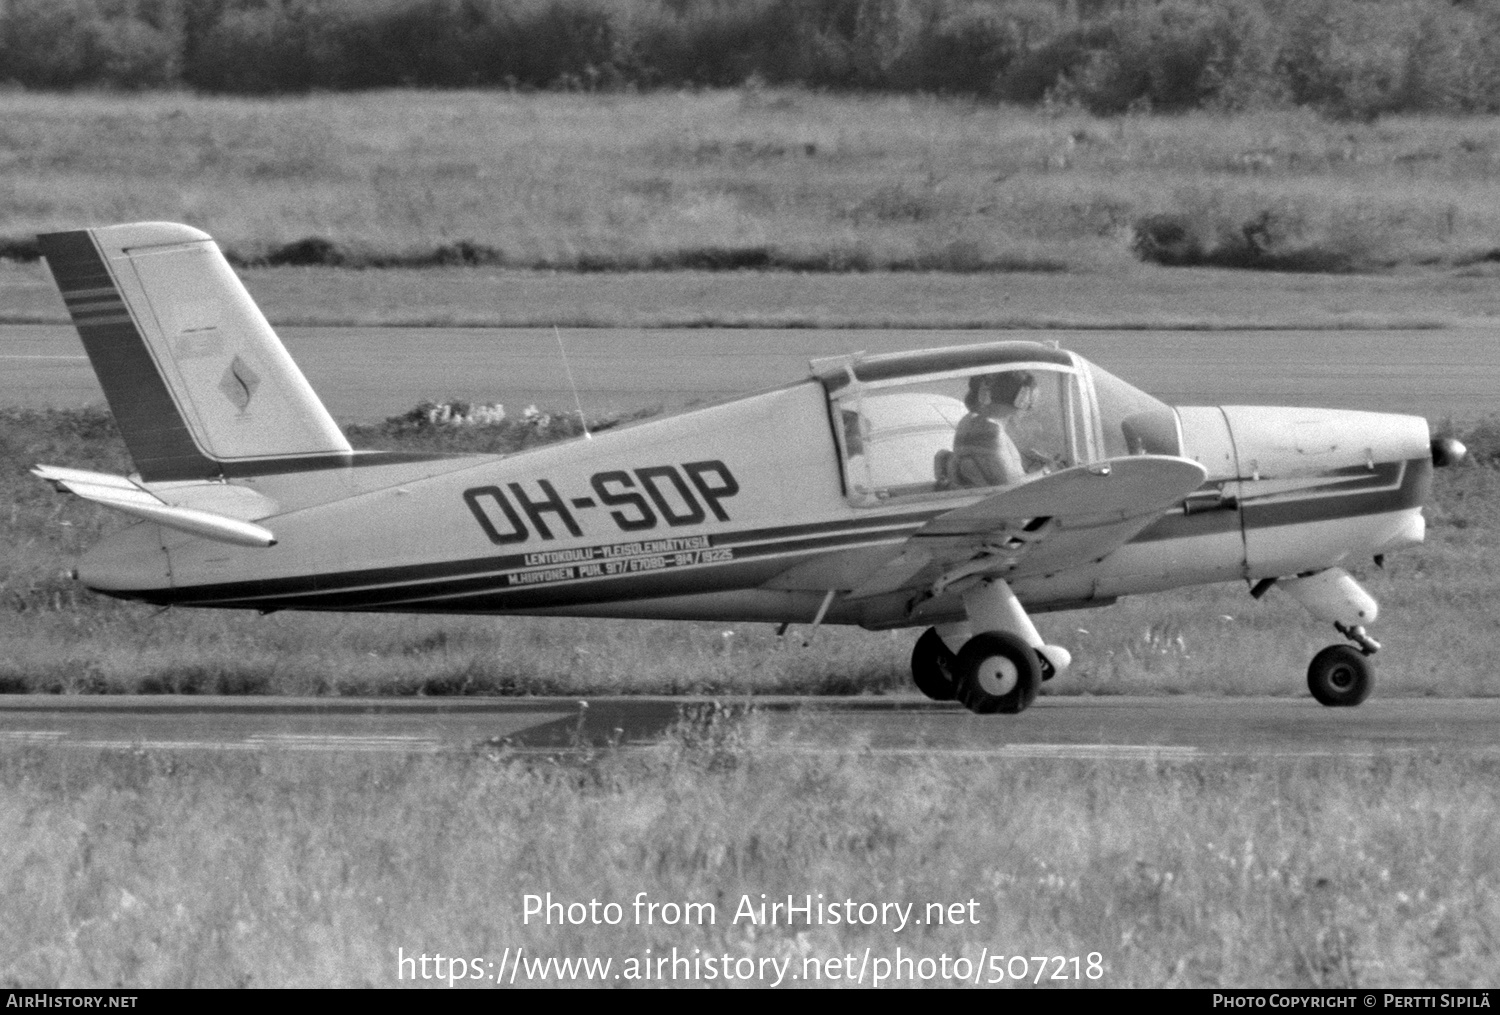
158, 869
751, 178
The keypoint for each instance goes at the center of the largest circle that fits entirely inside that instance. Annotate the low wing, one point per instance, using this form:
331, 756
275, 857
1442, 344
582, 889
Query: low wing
177, 506
1050, 524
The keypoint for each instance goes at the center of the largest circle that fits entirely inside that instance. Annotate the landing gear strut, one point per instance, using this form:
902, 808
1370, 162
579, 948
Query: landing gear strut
1340, 676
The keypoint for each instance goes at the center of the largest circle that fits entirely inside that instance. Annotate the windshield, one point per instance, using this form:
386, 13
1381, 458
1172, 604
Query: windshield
1131, 421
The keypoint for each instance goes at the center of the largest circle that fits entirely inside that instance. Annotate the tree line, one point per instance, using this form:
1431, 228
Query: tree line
1347, 58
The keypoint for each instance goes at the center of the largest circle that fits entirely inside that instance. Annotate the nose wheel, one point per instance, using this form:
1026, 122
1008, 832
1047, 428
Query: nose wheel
1341, 676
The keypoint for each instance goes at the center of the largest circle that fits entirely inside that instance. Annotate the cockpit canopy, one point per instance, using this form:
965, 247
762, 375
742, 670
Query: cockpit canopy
982, 416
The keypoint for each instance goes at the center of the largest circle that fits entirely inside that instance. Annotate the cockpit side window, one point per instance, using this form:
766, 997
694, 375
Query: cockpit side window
960, 430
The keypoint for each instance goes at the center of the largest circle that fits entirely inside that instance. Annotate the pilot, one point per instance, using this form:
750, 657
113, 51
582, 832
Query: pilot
983, 453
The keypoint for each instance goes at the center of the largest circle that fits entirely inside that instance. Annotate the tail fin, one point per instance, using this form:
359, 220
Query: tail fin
199, 384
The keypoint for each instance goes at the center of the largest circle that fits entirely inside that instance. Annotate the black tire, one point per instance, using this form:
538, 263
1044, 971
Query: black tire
932, 667
997, 672
1341, 676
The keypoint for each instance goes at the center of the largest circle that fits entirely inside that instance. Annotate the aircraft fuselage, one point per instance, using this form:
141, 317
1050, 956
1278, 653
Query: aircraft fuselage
738, 512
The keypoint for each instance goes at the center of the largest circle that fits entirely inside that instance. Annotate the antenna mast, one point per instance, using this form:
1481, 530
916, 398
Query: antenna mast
569, 371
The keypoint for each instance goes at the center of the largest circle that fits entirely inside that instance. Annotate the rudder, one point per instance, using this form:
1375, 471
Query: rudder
199, 383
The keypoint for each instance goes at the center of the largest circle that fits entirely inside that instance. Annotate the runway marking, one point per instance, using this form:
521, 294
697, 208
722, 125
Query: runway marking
1120, 752
336, 742
1057, 752
1099, 751
331, 742
32, 736
17, 355
137, 744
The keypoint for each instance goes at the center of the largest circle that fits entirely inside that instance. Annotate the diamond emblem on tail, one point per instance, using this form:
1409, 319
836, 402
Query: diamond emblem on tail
239, 383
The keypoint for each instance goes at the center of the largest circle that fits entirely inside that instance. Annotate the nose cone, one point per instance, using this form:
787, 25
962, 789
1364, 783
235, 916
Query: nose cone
1321, 486
1447, 451
130, 564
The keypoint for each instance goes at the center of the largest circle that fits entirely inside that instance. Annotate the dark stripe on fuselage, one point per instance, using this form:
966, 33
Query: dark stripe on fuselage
490, 594
1391, 486
457, 577
1176, 525
251, 467
1399, 485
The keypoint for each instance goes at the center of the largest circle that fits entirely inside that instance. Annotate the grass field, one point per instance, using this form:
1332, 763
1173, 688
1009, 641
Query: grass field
752, 178
160, 869
1125, 296
166, 869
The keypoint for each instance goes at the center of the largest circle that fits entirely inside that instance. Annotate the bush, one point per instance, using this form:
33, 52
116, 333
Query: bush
1172, 56
260, 51
1347, 58
68, 43
403, 42
1264, 242
712, 44
464, 428
968, 52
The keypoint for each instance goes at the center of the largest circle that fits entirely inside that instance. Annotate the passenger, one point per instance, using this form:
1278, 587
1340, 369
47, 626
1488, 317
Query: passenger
983, 453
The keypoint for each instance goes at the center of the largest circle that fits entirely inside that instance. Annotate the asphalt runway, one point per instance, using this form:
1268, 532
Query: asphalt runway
366, 374
1147, 728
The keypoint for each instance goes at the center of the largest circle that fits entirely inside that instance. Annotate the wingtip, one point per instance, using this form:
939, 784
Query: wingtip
127, 235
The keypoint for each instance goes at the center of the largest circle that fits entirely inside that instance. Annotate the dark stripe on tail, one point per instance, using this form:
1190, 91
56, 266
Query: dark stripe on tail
150, 422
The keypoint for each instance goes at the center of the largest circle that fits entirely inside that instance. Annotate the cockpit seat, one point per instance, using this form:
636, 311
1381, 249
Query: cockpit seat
945, 470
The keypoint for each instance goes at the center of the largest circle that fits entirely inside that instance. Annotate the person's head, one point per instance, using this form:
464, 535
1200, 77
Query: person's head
1000, 393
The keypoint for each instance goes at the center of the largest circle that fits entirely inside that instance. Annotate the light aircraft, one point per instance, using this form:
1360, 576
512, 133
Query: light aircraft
866, 494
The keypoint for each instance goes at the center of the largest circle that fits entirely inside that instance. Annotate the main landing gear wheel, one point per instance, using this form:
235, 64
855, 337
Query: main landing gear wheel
997, 672
1341, 676
932, 667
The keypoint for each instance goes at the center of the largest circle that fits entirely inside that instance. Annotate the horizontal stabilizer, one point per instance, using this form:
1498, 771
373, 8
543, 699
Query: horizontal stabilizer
121, 494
